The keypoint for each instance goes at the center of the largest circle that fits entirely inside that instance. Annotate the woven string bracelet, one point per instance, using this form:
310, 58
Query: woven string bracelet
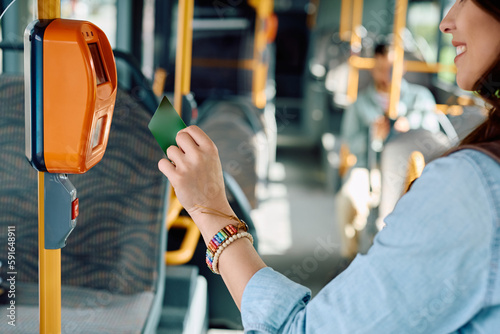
241, 224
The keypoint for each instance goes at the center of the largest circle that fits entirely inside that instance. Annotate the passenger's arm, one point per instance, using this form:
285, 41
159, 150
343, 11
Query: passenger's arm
352, 131
198, 181
426, 273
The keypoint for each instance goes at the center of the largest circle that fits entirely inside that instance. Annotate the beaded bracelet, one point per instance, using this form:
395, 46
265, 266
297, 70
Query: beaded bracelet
215, 263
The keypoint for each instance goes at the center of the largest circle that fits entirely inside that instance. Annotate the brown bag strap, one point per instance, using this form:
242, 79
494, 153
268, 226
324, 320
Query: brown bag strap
492, 149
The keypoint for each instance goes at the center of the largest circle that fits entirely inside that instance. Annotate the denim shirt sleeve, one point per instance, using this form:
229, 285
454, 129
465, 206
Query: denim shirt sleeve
427, 271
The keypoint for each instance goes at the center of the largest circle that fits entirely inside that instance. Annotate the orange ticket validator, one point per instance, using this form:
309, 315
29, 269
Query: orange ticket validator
71, 86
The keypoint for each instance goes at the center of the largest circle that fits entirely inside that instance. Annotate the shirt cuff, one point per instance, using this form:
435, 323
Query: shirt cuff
270, 300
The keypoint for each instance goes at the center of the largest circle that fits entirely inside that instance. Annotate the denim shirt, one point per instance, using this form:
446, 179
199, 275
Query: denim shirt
433, 269
416, 103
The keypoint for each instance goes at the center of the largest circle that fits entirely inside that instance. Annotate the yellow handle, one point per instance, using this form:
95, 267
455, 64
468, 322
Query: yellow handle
347, 160
159, 79
416, 165
185, 253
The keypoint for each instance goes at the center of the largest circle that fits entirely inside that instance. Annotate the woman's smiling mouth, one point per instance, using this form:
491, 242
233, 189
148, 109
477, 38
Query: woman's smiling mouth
461, 49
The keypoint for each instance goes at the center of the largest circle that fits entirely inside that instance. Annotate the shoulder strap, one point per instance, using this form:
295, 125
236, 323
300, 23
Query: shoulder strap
492, 149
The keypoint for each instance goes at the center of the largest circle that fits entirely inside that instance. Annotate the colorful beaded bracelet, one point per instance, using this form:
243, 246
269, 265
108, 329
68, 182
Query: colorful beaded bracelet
218, 240
223, 238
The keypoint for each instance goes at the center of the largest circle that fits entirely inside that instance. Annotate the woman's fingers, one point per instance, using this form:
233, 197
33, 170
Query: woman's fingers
197, 134
185, 142
175, 155
166, 167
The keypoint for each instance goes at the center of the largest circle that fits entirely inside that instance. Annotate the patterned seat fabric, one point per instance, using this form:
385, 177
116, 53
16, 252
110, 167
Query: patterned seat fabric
115, 250
242, 142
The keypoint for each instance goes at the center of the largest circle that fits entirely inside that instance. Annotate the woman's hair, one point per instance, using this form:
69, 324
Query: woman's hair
488, 87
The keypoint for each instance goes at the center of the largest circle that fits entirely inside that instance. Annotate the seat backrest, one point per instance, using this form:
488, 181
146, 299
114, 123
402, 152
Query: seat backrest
118, 242
237, 128
395, 158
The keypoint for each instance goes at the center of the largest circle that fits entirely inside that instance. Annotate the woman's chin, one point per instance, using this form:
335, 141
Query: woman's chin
464, 82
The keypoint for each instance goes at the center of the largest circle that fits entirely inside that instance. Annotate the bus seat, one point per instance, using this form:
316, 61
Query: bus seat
471, 117
394, 162
112, 267
238, 130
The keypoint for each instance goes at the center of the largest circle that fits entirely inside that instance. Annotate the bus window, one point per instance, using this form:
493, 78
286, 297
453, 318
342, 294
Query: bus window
101, 13
447, 51
422, 22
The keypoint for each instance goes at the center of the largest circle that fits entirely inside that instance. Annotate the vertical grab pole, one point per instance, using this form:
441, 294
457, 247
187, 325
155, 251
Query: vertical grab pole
49, 272
183, 60
49, 260
357, 20
184, 52
399, 55
49, 9
345, 20
264, 9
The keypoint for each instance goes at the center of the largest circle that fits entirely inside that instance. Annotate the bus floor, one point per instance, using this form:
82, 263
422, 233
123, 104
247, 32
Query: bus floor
296, 221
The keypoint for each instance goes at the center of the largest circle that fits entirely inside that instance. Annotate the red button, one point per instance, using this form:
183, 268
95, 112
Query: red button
75, 210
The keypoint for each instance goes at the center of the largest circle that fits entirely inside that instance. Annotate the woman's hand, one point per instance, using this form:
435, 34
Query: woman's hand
381, 128
402, 124
195, 171
196, 175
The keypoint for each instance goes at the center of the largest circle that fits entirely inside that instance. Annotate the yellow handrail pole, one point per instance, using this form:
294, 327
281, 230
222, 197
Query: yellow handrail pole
49, 272
184, 52
312, 18
49, 260
49, 9
362, 63
399, 55
411, 65
423, 67
183, 59
259, 71
264, 9
345, 20
357, 20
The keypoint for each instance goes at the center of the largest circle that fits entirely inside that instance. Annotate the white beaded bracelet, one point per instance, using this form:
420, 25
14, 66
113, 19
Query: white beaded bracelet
215, 263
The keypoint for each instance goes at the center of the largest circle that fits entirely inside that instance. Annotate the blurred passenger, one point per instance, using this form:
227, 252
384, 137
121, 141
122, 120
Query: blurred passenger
365, 127
433, 269
416, 109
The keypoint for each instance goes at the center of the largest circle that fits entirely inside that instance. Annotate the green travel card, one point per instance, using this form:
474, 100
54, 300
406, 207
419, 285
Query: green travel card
165, 124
